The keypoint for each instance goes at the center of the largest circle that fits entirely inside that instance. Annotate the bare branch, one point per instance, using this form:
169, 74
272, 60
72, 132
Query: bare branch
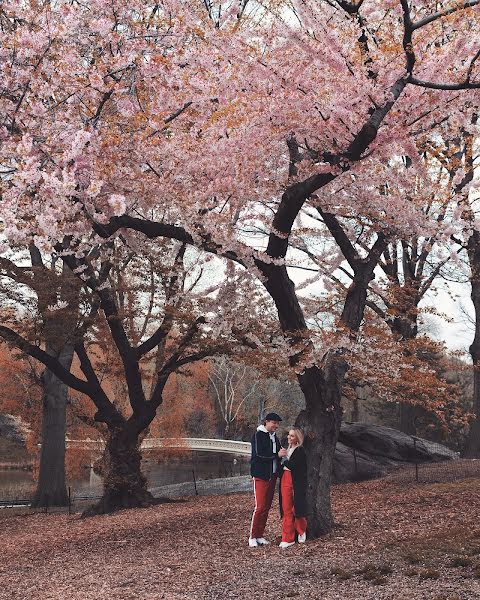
466, 85
46, 359
171, 118
444, 13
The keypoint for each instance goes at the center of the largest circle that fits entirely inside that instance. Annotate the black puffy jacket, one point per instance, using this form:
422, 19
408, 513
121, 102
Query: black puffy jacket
263, 457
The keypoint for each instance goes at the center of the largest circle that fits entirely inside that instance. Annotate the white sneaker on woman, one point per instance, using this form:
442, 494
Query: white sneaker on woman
302, 538
252, 542
286, 544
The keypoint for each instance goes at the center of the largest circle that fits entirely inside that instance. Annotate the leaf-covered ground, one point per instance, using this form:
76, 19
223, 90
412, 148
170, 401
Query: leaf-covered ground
392, 541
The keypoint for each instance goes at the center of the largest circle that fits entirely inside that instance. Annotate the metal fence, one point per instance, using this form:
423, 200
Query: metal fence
228, 477
397, 471
436, 472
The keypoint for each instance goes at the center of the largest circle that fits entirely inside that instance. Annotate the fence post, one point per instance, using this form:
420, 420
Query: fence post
355, 460
69, 500
46, 503
194, 482
416, 463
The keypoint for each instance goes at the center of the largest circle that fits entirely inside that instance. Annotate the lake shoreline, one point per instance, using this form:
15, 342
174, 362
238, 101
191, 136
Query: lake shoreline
10, 466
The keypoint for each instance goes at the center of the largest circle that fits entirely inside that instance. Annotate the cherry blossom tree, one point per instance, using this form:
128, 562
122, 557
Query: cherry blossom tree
180, 326
179, 122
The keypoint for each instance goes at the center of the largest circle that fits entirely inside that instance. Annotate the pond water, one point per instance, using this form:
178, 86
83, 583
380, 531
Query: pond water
203, 465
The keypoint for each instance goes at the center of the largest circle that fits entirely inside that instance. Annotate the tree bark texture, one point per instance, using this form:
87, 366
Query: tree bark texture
321, 422
124, 485
404, 325
51, 487
472, 449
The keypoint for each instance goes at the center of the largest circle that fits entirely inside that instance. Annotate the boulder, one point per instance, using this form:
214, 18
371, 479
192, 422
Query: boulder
354, 466
366, 451
12, 428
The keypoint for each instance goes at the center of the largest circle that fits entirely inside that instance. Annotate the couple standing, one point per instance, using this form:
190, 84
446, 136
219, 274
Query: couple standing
269, 461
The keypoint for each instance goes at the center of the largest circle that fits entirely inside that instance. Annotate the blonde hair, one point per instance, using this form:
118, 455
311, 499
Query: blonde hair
299, 434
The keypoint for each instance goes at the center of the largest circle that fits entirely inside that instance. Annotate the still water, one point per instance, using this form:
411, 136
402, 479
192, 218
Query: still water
202, 465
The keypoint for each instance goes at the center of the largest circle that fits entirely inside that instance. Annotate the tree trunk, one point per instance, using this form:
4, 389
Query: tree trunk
124, 485
227, 435
408, 414
355, 410
472, 449
321, 421
51, 488
405, 326
322, 415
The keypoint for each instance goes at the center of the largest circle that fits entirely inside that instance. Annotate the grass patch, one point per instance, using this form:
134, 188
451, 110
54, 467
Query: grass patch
429, 574
375, 573
341, 573
17, 492
460, 561
414, 557
458, 544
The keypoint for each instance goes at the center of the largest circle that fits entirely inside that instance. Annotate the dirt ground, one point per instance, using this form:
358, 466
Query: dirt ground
392, 541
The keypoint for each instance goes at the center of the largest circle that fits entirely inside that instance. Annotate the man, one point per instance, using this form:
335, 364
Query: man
265, 465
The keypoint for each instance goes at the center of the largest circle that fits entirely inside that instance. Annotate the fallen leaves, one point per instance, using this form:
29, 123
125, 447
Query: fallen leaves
393, 542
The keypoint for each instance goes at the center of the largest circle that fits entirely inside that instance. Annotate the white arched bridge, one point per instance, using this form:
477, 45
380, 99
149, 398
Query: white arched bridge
201, 444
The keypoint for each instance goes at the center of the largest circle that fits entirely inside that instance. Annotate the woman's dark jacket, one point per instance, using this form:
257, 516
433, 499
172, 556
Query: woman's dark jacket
297, 464
263, 457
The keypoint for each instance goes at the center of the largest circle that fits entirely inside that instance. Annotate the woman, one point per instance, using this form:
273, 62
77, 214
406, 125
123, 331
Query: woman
293, 490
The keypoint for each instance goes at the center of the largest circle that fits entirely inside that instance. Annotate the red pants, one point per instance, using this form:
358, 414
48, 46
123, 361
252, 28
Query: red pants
263, 493
290, 523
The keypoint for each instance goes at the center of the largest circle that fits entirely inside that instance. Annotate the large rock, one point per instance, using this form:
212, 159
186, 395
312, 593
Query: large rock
354, 466
366, 451
12, 428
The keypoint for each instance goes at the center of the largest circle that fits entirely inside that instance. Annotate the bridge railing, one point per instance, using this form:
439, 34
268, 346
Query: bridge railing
200, 444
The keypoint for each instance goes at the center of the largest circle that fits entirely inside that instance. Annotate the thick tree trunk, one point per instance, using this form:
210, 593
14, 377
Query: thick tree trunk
472, 449
321, 386
321, 422
124, 485
51, 487
356, 298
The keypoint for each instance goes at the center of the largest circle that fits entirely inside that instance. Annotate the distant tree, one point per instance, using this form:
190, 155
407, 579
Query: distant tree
460, 157
113, 341
50, 310
232, 388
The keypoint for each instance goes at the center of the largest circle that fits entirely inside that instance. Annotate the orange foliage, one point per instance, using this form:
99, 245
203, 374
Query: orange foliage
407, 371
187, 409
20, 393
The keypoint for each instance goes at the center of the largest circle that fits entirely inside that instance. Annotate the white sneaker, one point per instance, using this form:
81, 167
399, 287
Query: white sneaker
286, 544
262, 541
252, 542
302, 538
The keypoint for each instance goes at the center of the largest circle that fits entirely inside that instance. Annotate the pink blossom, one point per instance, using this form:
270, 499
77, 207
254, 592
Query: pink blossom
117, 204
